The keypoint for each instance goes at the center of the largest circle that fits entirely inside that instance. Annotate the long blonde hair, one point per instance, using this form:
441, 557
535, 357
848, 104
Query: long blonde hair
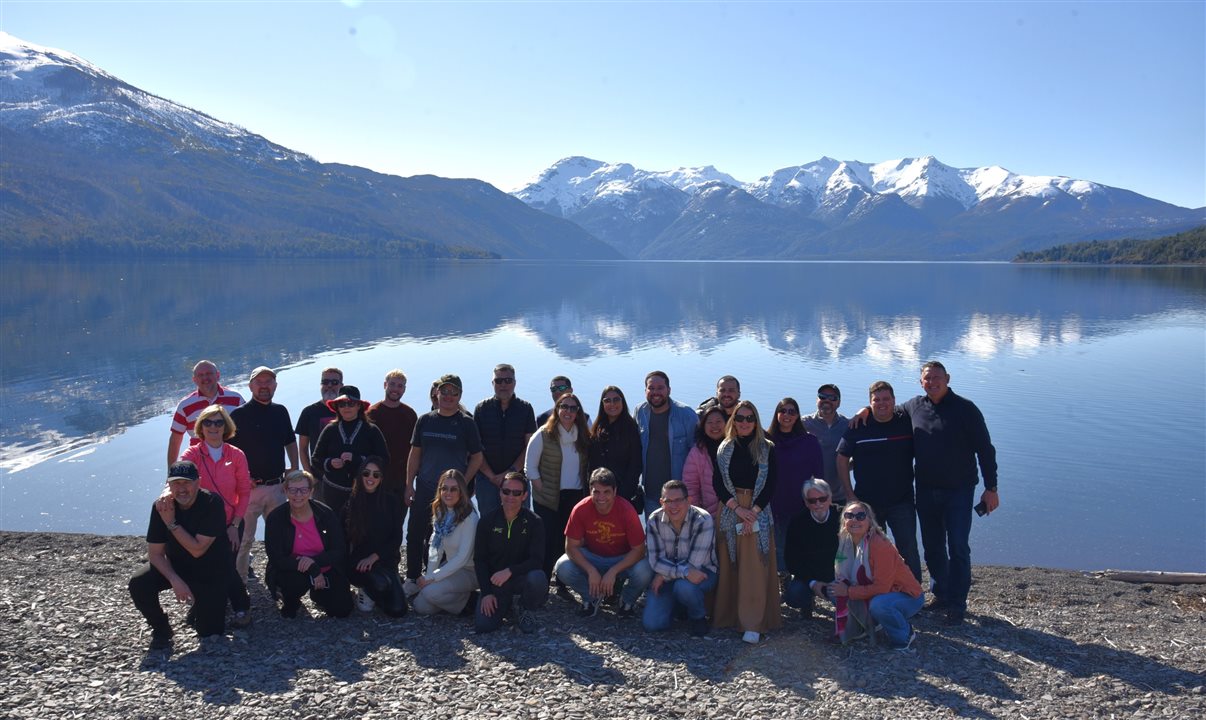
759, 446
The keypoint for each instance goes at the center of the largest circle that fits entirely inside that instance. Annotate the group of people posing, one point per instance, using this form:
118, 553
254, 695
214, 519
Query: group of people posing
708, 513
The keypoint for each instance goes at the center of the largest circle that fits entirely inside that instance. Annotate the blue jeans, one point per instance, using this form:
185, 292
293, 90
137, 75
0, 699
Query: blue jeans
636, 578
892, 611
945, 517
901, 519
798, 595
659, 606
486, 494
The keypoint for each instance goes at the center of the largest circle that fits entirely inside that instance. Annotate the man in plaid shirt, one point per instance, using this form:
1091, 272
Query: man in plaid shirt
680, 540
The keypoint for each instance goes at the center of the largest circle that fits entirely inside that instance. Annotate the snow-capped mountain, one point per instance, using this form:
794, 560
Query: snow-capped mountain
94, 164
847, 209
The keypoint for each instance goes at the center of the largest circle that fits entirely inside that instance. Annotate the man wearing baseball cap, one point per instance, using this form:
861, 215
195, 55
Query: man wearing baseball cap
445, 439
184, 558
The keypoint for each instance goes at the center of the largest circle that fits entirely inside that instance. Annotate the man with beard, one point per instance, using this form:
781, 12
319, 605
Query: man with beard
316, 416
264, 430
208, 392
667, 434
728, 392
396, 421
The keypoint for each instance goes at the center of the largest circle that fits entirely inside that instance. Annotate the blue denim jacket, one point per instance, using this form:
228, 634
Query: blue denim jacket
682, 436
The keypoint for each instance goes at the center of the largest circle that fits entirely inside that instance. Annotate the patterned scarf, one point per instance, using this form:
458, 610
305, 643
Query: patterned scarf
852, 618
443, 529
728, 517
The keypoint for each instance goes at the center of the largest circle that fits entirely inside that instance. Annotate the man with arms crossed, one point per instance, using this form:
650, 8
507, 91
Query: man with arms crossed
881, 452
681, 543
508, 557
208, 392
316, 416
264, 430
667, 435
949, 436
444, 439
183, 556
604, 544
505, 423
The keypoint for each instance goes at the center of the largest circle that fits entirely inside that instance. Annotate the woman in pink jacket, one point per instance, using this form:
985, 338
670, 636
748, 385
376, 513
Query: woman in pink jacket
223, 470
697, 470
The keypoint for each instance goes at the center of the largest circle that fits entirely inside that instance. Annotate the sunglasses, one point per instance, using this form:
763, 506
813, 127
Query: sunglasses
450, 392
450, 489
510, 493
332, 382
560, 388
569, 408
213, 422
788, 411
857, 515
298, 491
348, 403
504, 381
371, 473
738, 417
831, 397
817, 500
612, 400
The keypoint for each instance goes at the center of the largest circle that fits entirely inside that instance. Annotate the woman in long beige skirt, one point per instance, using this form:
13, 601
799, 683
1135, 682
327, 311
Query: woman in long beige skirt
747, 591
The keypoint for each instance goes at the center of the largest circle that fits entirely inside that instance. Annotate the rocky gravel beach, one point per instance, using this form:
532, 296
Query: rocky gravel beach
1038, 644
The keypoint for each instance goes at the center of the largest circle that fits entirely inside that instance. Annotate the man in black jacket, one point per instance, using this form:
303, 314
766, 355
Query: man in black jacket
812, 541
508, 557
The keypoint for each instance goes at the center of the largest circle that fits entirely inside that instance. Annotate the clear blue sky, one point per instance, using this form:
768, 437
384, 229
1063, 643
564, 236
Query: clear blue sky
1113, 92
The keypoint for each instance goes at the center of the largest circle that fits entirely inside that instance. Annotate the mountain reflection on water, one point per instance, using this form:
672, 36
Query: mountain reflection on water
92, 348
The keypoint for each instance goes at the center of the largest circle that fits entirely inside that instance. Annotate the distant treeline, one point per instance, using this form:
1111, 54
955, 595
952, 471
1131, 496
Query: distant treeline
1186, 248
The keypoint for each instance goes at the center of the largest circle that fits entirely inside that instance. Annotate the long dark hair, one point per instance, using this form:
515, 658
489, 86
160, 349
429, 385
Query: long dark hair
357, 514
604, 426
702, 441
550, 425
772, 428
463, 507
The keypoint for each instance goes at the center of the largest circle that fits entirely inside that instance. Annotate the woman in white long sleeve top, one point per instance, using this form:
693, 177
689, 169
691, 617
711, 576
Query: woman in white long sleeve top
556, 465
450, 579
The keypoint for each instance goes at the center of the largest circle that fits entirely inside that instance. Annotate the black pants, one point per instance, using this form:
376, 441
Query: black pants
236, 589
418, 532
335, 599
532, 590
383, 585
209, 599
554, 527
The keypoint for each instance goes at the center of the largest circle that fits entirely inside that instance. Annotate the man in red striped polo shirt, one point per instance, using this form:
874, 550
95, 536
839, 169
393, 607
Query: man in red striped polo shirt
209, 392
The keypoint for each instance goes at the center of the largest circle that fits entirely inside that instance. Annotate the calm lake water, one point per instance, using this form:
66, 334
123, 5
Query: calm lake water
1092, 380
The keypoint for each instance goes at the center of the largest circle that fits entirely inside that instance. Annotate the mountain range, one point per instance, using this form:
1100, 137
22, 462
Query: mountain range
91, 164
911, 208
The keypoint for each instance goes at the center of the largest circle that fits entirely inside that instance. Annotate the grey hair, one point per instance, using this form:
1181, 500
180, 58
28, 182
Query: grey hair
816, 484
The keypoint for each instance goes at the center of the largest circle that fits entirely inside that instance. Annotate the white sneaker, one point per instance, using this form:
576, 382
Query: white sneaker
364, 603
410, 587
751, 637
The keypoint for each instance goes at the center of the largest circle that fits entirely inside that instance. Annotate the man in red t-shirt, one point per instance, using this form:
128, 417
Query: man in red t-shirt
604, 544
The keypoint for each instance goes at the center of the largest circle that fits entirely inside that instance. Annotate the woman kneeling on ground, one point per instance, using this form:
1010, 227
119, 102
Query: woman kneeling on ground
450, 580
374, 533
306, 551
872, 579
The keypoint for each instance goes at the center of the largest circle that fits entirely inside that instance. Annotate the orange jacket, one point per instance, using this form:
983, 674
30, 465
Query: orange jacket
888, 572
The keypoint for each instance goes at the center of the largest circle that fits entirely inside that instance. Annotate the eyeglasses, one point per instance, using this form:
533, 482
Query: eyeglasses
737, 417
504, 381
371, 473
510, 493
298, 491
348, 403
560, 388
568, 408
612, 400
817, 500
450, 489
674, 501
788, 411
213, 422
449, 392
831, 397
857, 515
325, 381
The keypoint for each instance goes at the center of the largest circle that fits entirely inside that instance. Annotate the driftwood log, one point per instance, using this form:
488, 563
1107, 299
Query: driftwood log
1152, 576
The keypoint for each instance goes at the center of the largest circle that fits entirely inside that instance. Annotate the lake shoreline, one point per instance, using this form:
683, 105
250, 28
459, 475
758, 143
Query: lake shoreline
1038, 643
